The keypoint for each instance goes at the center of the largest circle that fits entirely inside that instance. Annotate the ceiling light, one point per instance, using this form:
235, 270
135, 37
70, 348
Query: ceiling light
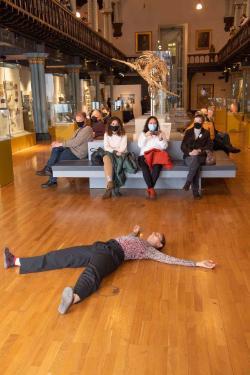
199, 6
78, 15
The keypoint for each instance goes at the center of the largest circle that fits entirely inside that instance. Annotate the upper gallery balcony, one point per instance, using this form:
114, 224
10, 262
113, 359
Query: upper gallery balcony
50, 23
238, 47
235, 50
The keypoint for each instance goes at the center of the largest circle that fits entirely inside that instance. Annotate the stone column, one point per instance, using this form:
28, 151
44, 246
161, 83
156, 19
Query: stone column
110, 81
39, 100
73, 6
74, 83
246, 88
93, 14
107, 22
248, 9
95, 76
238, 11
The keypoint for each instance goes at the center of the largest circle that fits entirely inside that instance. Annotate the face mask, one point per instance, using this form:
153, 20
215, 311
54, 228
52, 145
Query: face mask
94, 118
114, 128
80, 124
152, 127
197, 125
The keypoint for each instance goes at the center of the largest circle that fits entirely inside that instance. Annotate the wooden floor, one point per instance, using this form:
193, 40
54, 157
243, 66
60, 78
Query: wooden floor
147, 318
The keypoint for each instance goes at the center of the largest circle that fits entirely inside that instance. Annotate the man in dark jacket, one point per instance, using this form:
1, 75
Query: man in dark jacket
194, 145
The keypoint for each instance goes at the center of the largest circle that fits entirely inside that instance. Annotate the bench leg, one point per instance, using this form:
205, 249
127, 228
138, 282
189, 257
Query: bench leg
200, 184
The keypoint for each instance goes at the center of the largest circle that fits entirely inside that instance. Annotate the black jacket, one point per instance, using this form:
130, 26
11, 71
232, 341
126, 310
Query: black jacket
189, 142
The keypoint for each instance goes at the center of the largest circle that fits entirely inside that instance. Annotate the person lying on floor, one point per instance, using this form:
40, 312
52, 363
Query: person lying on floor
100, 259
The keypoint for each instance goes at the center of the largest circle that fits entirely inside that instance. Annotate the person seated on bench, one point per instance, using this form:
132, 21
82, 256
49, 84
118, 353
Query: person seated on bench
221, 140
151, 138
194, 145
115, 142
73, 149
100, 259
97, 123
208, 125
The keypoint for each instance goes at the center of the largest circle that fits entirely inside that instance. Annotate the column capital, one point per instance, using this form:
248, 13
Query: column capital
73, 68
95, 73
107, 11
36, 58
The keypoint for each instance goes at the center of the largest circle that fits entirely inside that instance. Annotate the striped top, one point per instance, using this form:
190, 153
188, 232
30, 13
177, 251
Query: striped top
136, 248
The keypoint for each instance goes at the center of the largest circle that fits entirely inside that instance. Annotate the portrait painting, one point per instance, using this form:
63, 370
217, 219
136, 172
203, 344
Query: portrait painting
143, 41
203, 39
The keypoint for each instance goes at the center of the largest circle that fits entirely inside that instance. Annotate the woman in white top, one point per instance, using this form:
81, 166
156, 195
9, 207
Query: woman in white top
115, 141
151, 138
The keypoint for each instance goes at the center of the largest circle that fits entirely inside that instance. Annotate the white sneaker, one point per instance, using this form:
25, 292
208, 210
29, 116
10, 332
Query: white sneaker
67, 300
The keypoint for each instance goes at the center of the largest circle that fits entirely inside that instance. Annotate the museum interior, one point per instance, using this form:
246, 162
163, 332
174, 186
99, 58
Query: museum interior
127, 62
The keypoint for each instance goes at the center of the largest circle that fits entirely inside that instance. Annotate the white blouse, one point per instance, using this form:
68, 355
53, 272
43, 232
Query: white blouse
115, 143
147, 143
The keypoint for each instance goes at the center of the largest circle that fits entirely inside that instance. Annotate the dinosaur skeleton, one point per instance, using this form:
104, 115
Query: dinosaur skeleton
153, 70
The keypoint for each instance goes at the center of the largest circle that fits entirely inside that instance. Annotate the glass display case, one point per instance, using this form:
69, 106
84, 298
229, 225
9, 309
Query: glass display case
11, 107
4, 124
61, 114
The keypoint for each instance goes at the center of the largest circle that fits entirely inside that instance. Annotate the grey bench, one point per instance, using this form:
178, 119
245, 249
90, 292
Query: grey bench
169, 179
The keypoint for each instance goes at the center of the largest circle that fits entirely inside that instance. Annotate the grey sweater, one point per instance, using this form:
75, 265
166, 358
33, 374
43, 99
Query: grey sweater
78, 144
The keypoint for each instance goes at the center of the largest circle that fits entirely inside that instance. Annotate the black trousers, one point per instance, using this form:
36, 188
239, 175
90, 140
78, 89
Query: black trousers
194, 163
150, 177
100, 259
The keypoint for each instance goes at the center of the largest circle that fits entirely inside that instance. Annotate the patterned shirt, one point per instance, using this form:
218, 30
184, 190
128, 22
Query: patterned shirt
136, 248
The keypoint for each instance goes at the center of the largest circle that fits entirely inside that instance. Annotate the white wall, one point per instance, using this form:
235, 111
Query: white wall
136, 17
221, 88
130, 89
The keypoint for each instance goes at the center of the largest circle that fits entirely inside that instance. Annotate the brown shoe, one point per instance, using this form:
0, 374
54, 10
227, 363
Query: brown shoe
110, 185
107, 194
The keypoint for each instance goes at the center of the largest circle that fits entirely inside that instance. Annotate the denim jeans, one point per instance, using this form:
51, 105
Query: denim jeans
59, 154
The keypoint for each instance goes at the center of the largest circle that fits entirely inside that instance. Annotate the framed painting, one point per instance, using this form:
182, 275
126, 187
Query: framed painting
143, 41
204, 93
203, 39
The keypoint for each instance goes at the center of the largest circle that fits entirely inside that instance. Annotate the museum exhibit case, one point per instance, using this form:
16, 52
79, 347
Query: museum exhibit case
6, 165
227, 115
60, 106
12, 110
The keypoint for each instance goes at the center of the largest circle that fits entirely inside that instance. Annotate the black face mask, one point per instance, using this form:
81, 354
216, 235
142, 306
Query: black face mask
197, 125
94, 119
114, 128
80, 124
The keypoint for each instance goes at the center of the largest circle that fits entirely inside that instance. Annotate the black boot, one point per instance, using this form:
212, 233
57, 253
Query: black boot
48, 184
117, 192
46, 171
187, 185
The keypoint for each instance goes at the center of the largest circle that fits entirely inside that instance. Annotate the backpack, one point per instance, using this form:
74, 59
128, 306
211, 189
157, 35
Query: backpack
97, 156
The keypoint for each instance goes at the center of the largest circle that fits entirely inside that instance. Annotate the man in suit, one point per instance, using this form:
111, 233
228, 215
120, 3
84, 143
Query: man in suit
194, 145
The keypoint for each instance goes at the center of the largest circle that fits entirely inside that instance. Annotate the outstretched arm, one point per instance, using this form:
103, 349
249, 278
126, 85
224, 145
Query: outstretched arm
136, 231
158, 256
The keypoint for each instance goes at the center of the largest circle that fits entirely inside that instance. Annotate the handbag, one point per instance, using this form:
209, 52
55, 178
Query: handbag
97, 156
210, 158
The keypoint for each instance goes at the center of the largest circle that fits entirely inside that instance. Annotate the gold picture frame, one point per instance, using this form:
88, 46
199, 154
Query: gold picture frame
143, 41
203, 39
204, 93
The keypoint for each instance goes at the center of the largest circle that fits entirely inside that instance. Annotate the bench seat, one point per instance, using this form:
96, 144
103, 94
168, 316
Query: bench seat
169, 179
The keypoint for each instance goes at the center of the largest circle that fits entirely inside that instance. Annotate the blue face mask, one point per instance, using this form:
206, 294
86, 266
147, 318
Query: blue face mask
152, 127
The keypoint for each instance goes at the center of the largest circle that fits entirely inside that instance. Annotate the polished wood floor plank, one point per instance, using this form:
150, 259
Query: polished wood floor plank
147, 318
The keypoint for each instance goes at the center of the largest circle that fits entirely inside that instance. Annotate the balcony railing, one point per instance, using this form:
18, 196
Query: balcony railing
236, 45
203, 58
51, 23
